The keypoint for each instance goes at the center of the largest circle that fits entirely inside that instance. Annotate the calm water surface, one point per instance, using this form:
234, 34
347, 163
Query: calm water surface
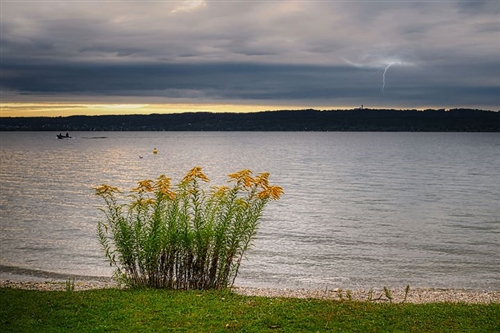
359, 210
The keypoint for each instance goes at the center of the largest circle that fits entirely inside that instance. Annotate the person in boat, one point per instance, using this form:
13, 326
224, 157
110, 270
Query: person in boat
67, 134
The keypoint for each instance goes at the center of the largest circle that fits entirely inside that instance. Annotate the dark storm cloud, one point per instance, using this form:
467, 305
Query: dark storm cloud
479, 7
249, 82
307, 53
217, 80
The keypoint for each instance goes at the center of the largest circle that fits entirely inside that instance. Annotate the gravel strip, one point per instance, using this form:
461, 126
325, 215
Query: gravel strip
417, 296
379, 295
57, 285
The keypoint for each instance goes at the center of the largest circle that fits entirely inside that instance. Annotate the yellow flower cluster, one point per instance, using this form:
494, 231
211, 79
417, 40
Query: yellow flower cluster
243, 176
195, 173
144, 186
261, 180
273, 192
163, 185
106, 189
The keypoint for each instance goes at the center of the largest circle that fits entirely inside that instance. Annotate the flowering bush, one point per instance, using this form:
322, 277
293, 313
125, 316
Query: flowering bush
182, 237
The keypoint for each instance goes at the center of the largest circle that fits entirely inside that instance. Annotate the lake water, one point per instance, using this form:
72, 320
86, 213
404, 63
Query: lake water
360, 210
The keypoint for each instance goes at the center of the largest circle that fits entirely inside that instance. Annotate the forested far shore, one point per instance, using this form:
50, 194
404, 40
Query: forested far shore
454, 120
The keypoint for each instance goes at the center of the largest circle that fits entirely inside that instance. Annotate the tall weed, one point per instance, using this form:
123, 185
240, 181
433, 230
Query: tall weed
183, 236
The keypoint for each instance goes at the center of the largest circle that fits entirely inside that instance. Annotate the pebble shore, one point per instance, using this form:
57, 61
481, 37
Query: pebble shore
416, 296
419, 295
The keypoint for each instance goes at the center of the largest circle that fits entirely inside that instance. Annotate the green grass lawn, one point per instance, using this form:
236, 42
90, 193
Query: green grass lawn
112, 310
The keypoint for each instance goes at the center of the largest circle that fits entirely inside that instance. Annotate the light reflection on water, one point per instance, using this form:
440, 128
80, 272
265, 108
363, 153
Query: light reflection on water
360, 209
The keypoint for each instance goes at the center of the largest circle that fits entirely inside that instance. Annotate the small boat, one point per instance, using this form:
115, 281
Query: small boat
60, 136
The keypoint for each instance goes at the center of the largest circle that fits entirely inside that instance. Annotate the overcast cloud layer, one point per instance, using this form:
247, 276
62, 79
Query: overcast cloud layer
304, 53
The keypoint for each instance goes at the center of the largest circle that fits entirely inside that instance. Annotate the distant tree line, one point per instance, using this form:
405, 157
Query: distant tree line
454, 120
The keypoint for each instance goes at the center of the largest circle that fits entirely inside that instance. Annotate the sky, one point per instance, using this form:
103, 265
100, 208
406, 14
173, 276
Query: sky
61, 58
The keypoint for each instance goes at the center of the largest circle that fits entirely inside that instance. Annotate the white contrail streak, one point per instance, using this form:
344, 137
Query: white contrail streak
383, 75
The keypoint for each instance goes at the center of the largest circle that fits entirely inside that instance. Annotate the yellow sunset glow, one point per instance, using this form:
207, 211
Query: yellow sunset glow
71, 109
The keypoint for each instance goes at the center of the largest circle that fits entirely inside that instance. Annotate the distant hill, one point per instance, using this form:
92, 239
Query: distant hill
454, 120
